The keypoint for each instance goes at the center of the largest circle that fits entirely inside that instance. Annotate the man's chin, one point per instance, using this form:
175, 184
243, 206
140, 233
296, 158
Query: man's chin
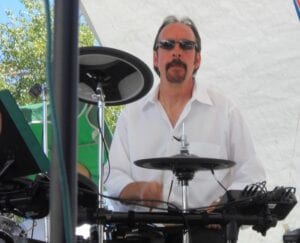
176, 75
175, 79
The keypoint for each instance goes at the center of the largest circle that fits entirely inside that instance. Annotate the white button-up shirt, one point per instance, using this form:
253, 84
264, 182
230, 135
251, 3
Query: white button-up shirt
214, 128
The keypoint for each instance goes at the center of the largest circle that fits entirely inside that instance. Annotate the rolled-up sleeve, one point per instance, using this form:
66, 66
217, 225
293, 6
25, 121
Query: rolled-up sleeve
119, 175
248, 168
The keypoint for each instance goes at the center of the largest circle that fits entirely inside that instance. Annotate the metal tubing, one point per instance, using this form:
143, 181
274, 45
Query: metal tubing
45, 149
184, 185
184, 198
101, 156
45, 119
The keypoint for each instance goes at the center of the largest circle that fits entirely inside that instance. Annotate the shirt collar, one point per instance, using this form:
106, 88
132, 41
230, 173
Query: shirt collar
200, 94
151, 98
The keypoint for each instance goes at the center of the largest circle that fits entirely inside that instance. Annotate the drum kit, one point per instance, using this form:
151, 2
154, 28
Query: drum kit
10, 228
111, 77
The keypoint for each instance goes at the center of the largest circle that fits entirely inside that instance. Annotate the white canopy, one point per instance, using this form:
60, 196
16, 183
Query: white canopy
250, 50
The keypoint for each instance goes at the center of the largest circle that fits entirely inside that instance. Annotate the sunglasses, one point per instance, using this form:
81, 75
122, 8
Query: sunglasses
170, 44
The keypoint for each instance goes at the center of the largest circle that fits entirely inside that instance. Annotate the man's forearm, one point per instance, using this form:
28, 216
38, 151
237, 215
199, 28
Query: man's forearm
142, 190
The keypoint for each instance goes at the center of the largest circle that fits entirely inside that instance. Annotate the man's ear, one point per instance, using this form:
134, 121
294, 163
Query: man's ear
197, 60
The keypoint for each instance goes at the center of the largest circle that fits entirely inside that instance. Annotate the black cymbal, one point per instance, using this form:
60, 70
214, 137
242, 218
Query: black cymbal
182, 162
122, 77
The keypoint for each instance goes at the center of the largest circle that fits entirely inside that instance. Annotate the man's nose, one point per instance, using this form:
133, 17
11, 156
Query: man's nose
176, 55
177, 51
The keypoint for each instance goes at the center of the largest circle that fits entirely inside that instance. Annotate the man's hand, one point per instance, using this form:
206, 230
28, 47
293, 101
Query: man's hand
151, 190
209, 210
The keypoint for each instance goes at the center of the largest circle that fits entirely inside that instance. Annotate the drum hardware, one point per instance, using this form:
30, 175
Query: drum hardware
124, 233
261, 210
20, 153
124, 78
30, 199
184, 165
42, 90
292, 236
6, 163
192, 219
87, 200
254, 201
10, 229
253, 208
110, 77
35, 91
24, 198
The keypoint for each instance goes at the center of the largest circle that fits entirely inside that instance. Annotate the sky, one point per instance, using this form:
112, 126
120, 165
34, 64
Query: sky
13, 5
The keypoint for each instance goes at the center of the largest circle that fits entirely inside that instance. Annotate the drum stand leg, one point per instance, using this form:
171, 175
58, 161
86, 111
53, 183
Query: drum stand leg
101, 156
232, 231
184, 185
44, 93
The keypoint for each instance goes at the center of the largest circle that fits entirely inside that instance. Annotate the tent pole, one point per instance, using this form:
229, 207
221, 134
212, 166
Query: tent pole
65, 66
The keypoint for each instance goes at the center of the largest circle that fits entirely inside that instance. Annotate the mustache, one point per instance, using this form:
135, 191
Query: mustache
176, 62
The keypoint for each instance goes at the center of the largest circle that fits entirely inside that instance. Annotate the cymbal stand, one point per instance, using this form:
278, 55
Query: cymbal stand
35, 91
183, 177
42, 90
101, 152
45, 118
184, 185
44, 94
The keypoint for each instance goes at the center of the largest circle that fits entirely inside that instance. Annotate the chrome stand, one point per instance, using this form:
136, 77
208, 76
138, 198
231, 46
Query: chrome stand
184, 184
101, 154
183, 178
45, 118
41, 90
44, 93
117, 78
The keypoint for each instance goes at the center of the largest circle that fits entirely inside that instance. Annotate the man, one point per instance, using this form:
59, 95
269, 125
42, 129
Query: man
151, 128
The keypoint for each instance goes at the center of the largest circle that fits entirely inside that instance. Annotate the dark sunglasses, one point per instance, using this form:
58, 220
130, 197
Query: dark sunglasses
170, 44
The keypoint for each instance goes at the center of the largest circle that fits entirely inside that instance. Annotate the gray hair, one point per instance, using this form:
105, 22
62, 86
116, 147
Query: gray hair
173, 19
187, 21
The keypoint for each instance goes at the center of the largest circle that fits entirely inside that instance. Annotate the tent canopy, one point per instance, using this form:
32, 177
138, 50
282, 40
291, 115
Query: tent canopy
250, 51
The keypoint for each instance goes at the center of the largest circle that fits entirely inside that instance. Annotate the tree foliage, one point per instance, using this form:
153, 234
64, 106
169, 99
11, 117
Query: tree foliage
23, 52
22, 48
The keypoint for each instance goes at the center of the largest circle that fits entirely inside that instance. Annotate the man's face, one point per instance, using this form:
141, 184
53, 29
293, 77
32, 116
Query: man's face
176, 57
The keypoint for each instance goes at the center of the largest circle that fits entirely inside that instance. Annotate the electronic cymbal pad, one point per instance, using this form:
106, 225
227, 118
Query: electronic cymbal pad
184, 166
184, 163
121, 77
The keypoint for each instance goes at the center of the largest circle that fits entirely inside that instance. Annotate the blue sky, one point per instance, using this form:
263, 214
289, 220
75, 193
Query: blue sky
13, 5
